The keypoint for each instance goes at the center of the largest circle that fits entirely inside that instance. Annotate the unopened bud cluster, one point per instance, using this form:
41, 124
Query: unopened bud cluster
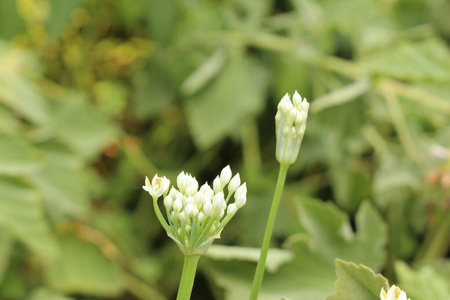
196, 216
394, 293
290, 123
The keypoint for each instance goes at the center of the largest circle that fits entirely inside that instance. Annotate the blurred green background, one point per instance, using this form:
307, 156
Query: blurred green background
95, 95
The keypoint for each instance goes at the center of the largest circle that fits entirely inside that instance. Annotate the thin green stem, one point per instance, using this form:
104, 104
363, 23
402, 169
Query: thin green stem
187, 277
438, 244
259, 273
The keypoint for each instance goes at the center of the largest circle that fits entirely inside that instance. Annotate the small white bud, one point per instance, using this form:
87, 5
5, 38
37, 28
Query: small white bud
200, 217
217, 186
187, 228
225, 176
242, 190
168, 201
189, 210
232, 209
182, 217
181, 182
195, 212
208, 209
218, 201
177, 205
240, 201
234, 183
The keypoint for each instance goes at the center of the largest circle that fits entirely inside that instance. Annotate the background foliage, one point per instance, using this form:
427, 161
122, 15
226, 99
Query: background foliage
94, 95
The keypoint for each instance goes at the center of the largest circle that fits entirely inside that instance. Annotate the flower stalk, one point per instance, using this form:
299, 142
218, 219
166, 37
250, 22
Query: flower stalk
195, 217
290, 125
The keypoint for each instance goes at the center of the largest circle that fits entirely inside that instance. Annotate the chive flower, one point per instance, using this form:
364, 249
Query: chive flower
195, 216
394, 293
290, 124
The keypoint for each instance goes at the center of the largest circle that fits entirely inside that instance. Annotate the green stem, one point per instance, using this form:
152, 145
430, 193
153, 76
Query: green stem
259, 273
187, 277
438, 244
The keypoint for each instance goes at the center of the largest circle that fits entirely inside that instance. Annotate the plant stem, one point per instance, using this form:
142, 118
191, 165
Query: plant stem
259, 273
187, 277
438, 244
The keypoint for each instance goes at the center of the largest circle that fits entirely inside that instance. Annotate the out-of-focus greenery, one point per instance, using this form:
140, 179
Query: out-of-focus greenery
94, 95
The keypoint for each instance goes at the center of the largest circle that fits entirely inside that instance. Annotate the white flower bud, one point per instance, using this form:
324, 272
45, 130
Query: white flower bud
208, 209
187, 228
240, 201
173, 193
234, 183
168, 201
181, 182
225, 176
195, 212
221, 214
200, 217
189, 210
232, 209
217, 186
177, 205
290, 122
182, 217
218, 201
241, 191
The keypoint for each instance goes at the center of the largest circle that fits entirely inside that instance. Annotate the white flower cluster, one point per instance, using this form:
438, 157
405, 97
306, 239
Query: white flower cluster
290, 123
195, 217
394, 293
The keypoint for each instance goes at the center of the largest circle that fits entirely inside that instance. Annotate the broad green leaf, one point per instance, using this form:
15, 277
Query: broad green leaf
357, 282
82, 127
63, 188
83, 268
311, 273
60, 13
44, 294
10, 21
331, 235
426, 60
424, 283
275, 257
17, 156
161, 18
22, 215
6, 246
17, 90
217, 111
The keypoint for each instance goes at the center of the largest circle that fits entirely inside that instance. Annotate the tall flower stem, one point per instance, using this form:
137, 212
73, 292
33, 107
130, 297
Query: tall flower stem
187, 277
259, 273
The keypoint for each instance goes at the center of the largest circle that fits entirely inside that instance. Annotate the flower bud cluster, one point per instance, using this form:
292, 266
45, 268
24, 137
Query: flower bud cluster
394, 293
290, 123
196, 216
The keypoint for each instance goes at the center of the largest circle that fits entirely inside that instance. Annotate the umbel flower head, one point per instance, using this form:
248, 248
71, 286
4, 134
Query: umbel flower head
394, 293
290, 123
196, 216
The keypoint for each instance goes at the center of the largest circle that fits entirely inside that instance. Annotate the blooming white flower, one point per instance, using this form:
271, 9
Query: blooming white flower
195, 218
394, 293
290, 123
157, 187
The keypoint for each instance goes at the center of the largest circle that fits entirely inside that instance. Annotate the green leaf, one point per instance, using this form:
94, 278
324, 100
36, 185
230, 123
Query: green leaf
6, 246
357, 282
17, 90
21, 214
83, 128
424, 283
426, 60
44, 294
63, 188
311, 273
60, 15
275, 257
83, 268
331, 235
17, 156
10, 21
217, 111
